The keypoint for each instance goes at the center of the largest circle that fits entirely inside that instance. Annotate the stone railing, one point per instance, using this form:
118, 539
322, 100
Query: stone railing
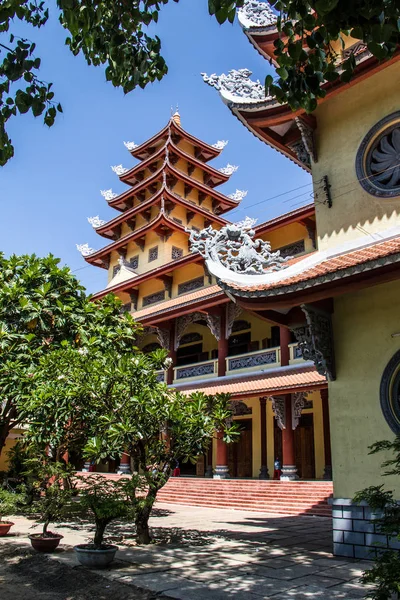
253, 361
295, 354
200, 370
161, 376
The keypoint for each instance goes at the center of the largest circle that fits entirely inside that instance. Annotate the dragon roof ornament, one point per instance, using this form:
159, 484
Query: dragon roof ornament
236, 86
220, 145
108, 195
119, 169
238, 195
96, 221
234, 247
84, 249
255, 13
229, 169
130, 145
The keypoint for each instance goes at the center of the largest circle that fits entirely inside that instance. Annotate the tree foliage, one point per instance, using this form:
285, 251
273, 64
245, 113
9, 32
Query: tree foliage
114, 33
385, 574
110, 402
43, 307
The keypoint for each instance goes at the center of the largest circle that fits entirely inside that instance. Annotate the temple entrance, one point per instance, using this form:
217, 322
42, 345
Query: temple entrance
240, 454
304, 447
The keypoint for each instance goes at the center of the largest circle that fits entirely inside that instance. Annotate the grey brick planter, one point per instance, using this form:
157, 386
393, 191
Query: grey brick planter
354, 531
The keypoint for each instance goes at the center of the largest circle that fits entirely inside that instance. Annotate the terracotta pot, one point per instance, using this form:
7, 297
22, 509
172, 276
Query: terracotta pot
5, 527
45, 544
95, 559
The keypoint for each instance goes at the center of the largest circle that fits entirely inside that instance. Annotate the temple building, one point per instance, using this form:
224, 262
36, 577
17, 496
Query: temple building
340, 301
279, 398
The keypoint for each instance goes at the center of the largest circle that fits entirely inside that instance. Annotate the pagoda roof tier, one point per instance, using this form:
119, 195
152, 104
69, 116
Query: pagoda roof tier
160, 224
224, 203
258, 22
112, 228
160, 273
289, 132
203, 151
169, 150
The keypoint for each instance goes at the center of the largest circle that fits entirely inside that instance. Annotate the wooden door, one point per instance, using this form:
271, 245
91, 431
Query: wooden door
304, 447
240, 454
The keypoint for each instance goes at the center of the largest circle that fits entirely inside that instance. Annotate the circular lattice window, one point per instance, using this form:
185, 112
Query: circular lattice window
378, 158
390, 393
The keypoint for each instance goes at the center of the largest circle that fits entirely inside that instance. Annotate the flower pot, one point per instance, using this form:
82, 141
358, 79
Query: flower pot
5, 527
47, 543
93, 558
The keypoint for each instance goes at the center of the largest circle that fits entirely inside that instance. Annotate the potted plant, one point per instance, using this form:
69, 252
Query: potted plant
7, 506
104, 500
52, 499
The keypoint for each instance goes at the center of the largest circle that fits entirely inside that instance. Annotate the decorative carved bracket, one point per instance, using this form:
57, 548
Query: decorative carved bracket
307, 136
163, 336
298, 401
213, 323
316, 340
232, 312
279, 410
134, 295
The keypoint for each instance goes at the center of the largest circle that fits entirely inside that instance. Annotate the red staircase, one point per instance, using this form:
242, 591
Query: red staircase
278, 497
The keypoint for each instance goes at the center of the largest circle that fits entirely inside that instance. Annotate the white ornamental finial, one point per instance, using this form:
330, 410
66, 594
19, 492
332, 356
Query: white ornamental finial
256, 14
130, 145
108, 195
119, 170
238, 195
234, 247
220, 145
96, 221
85, 250
236, 86
229, 169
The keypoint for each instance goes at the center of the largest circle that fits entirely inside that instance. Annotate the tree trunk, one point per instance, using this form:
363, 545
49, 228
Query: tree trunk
142, 519
45, 526
99, 534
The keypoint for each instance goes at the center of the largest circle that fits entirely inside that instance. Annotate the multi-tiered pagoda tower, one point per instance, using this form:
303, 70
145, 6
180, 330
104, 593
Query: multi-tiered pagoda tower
171, 189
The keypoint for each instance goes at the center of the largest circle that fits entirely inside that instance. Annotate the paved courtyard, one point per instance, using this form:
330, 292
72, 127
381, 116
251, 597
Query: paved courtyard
216, 554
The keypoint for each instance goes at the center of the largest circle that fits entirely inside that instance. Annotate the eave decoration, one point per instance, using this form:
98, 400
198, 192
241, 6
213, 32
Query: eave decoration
236, 86
279, 410
256, 14
298, 402
85, 249
315, 340
213, 323
96, 222
234, 248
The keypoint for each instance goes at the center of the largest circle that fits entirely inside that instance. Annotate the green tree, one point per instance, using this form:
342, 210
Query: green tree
385, 574
42, 307
115, 401
114, 33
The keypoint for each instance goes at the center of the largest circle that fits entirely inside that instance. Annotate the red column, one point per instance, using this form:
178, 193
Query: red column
327, 434
263, 423
222, 345
125, 464
221, 468
172, 355
289, 469
284, 335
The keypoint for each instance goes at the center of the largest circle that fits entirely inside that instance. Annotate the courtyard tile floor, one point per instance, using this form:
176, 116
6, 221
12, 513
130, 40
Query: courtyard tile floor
216, 554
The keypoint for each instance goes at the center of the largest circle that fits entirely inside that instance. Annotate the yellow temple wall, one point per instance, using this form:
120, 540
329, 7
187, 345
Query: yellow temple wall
343, 121
288, 234
363, 322
10, 443
186, 147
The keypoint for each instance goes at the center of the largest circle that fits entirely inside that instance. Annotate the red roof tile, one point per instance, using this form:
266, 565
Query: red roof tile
295, 379
207, 292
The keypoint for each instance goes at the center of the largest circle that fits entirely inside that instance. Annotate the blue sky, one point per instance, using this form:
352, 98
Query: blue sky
53, 183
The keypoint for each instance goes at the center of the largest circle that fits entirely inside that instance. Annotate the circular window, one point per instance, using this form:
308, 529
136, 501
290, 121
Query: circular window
378, 158
390, 393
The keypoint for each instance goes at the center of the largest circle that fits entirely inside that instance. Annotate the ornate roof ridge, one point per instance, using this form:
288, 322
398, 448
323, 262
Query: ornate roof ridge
255, 14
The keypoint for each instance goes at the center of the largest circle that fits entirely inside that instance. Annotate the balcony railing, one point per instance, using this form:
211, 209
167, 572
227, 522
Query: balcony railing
199, 370
252, 361
161, 376
295, 354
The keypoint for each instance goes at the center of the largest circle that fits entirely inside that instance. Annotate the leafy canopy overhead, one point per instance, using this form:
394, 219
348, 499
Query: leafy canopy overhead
114, 33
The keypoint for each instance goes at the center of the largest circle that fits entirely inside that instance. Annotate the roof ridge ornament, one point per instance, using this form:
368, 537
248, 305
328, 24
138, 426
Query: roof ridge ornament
130, 145
96, 221
238, 195
234, 247
85, 250
220, 145
236, 86
254, 13
119, 169
108, 195
228, 170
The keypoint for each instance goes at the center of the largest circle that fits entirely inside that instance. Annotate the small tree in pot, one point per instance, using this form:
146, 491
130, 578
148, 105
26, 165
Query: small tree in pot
8, 503
52, 499
104, 500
